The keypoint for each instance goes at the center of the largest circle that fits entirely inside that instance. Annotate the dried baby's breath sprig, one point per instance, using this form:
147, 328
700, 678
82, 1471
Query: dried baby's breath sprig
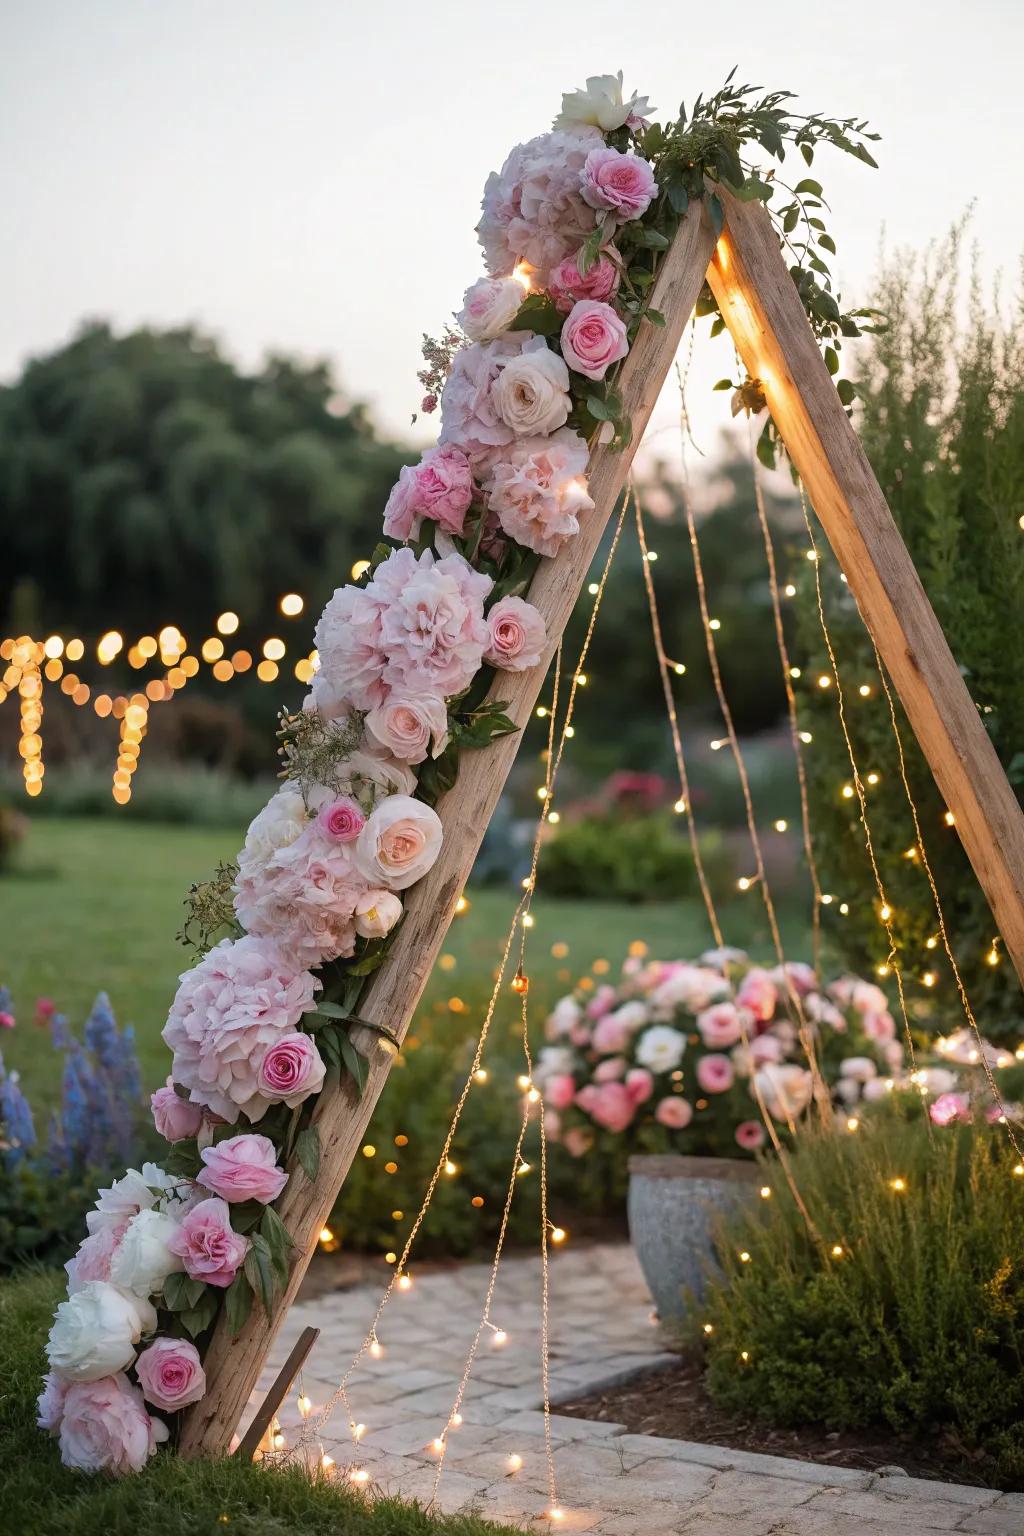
438, 356
312, 747
210, 911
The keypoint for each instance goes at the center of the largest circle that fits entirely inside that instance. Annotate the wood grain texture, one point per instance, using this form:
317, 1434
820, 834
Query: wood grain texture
764, 313
233, 1366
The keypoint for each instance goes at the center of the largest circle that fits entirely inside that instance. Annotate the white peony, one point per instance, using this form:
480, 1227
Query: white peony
280, 823
601, 105
858, 1068
399, 843
693, 987
661, 1048
136, 1191
143, 1259
629, 1016
553, 1061
95, 1332
490, 306
531, 393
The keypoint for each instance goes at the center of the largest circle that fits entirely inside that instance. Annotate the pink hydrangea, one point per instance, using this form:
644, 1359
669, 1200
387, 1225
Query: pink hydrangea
439, 488
622, 185
515, 635
211, 1250
470, 419
538, 490
674, 1112
174, 1117
243, 1168
105, 1427
593, 338
610, 1104
715, 1073
566, 284
533, 208
170, 1374
236, 1002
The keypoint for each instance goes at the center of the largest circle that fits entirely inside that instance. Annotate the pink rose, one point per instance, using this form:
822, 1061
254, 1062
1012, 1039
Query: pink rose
243, 1168
750, 1135
292, 1069
170, 1374
439, 487
758, 993
623, 185
341, 819
675, 1112
610, 1035
602, 1002
105, 1427
560, 1090
879, 1026
765, 1049
490, 306
515, 635
949, 1107
577, 1141
410, 726
205, 1240
720, 1026
639, 1084
611, 1070
175, 1118
715, 1074
593, 338
610, 1105
400, 842
599, 282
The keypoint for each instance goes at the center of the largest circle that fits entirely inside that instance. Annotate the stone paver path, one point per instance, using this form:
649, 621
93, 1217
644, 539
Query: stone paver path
609, 1480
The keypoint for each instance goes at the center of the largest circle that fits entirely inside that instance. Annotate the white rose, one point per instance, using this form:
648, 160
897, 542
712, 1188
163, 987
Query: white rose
143, 1259
630, 1016
785, 1089
564, 1017
531, 393
376, 914
553, 1061
693, 987
135, 1192
860, 1068
660, 1049
405, 726
95, 1332
489, 307
601, 104
937, 1080
399, 843
280, 823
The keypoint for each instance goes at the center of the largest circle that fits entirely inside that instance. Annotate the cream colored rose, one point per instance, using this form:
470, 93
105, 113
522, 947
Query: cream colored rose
406, 726
376, 914
399, 843
531, 393
601, 105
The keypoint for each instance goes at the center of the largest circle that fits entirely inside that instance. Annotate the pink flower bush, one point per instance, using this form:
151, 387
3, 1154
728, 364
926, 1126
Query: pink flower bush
758, 994
104, 1427
229, 1009
750, 1135
622, 185
341, 819
720, 1026
174, 1118
949, 1107
439, 488
243, 1168
610, 1104
291, 1070
559, 1090
533, 208
170, 1374
566, 284
515, 635
210, 1250
538, 490
639, 1084
593, 338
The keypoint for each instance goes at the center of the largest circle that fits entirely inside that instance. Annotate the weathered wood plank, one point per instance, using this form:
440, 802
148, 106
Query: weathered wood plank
232, 1367
765, 316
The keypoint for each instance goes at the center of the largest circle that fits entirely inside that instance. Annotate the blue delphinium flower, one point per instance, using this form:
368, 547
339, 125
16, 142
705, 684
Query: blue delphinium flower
16, 1125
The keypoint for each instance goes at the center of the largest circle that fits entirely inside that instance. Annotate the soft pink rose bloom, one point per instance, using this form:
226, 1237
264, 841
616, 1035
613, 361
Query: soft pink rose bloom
410, 726
399, 844
602, 1002
439, 488
560, 1090
341, 819
566, 285
766, 1048
174, 1118
802, 978
537, 488
490, 306
758, 993
50, 1403
821, 1011
516, 635
579, 1034
205, 1241
609, 1104
469, 414
94, 1256
577, 1141
291, 1070
623, 185
228, 1009
170, 1374
750, 1135
610, 1035
377, 913
610, 1070
105, 1427
879, 1026
593, 338
952, 1106
639, 1084
533, 209
552, 1124
715, 1074
243, 1168
674, 1112
303, 898
720, 1025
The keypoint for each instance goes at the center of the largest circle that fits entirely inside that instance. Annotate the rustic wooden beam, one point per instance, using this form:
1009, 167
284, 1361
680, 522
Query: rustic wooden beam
765, 316
233, 1366
264, 1415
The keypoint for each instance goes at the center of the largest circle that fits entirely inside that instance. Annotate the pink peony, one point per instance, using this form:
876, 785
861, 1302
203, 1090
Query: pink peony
622, 185
750, 1135
802, 978
758, 993
341, 819
720, 1026
593, 338
243, 1168
105, 1427
611, 1070
212, 1252
170, 1374
533, 209
490, 306
439, 488
560, 1090
951, 1106
303, 898
611, 1035
50, 1403
674, 1112
236, 1002
516, 635
538, 488
602, 1002
175, 1118
715, 1074
609, 1104
409, 726
639, 1084
291, 1070
879, 1026
94, 1256
566, 285
470, 419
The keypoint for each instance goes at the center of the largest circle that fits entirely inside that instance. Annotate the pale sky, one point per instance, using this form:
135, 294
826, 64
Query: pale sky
306, 174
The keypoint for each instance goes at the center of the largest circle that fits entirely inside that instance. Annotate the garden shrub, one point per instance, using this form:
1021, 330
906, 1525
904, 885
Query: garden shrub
184, 794
909, 1313
638, 858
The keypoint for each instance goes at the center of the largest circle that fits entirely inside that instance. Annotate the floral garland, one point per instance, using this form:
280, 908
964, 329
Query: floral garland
573, 228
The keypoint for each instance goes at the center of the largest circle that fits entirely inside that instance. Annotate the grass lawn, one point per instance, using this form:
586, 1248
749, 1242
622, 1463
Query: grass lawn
95, 905
39, 1497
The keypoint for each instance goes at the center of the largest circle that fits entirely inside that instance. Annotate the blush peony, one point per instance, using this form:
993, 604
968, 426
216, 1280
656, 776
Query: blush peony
593, 338
291, 1070
95, 1331
95, 1252
439, 488
489, 307
469, 414
538, 490
243, 1168
721, 1025
399, 843
303, 900
533, 209
377, 912
105, 1427
209, 1249
516, 635
137, 1190
622, 185
236, 1002
610, 1104
750, 1135
143, 1258
675, 1113
170, 1374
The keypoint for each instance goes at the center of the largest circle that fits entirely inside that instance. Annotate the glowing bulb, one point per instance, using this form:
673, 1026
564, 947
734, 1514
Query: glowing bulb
327, 1462
928, 978
515, 1461
781, 825
885, 912
455, 1420
326, 1235
291, 605
824, 681
376, 1349
766, 1192
744, 1257
304, 1405
227, 624
898, 1184
438, 1443
709, 1327
864, 691
405, 1282
521, 273
499, 1337
714, 624
837, 1250
852, 1123
873, 778
358, 1431
949, 819
558, 1234
359, 1475
480, 1075
679, 807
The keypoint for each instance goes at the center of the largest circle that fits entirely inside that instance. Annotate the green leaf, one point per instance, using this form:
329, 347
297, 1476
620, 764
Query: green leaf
827, 243
238, 1303
307, 1150
259, 1271
176, 1298
678, 197
381, 553
279, 1242
331, 1011
199, 1317
366, 967
847, 391
808, 185
717, 213
591, 249
356, 1063
766, 448
723, 384
655, 316
537, 313
598, 409
832, 360
246, 1215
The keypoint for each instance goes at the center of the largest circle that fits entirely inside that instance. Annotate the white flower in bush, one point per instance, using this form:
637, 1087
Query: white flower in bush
693, 987
564, 1017
858, 1068
95, 1331
143, 1260
660, 1048
785, 1088
399, 843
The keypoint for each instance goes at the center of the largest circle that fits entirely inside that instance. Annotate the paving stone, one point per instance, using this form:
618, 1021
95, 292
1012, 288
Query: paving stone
531, 1421
928, 1489
1003, 1518
933, 1514
735, 1492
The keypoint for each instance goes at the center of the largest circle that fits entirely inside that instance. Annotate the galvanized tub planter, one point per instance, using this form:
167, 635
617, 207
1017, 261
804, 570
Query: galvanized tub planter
674, 1203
